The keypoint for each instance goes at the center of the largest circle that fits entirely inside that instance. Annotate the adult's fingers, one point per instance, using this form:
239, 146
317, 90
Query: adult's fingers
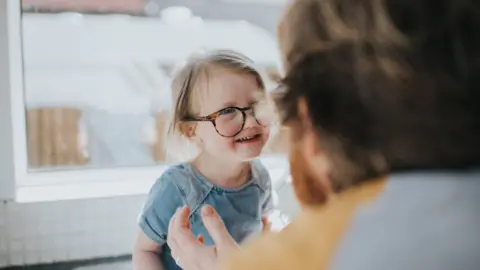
171, 234
201, 238
216, 228
181, 218
175, 227
172, 221
267, 225
179, 234
176, 222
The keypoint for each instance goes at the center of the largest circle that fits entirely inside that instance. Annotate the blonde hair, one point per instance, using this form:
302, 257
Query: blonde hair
194, 71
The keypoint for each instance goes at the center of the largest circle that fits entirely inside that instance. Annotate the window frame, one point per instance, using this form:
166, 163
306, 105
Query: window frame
13, 163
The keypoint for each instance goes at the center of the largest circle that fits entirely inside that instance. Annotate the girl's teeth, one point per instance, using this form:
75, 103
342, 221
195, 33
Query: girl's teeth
246, 138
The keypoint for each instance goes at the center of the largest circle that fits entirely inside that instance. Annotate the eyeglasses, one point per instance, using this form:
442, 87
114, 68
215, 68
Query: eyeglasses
230, 121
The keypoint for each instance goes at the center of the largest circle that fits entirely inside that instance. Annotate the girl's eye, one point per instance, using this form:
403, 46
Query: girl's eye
227, 111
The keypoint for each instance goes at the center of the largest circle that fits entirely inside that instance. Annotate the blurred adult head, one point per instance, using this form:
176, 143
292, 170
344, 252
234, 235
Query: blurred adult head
374, 87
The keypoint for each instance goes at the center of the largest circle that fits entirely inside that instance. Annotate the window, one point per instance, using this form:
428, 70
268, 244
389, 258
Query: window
97, 86
92, 101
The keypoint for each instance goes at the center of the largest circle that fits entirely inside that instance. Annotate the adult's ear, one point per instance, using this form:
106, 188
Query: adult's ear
309, 142
316, 161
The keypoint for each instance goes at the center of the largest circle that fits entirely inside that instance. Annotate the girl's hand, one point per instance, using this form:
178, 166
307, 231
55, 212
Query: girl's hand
188, 251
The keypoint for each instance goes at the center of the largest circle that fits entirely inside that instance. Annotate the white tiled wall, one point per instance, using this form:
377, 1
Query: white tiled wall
67, 230
33, 233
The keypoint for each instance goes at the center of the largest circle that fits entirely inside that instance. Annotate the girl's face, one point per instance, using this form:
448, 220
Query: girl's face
229, 89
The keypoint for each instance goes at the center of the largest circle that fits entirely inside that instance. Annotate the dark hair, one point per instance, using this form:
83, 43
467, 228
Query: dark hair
387, 101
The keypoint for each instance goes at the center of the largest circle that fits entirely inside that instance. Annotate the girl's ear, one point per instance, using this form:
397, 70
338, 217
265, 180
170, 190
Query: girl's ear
187, 130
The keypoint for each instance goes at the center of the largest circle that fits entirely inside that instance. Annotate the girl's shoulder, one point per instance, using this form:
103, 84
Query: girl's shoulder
186, 182
177, 170
182, 175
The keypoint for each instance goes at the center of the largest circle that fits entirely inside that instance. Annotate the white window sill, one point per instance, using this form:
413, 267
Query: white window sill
86, 184
88, 190
129, 182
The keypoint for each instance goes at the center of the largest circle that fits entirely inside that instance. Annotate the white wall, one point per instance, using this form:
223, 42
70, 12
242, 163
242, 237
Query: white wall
47, 232
67, 230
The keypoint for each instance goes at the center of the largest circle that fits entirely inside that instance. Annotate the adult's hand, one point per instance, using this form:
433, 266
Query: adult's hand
189, 251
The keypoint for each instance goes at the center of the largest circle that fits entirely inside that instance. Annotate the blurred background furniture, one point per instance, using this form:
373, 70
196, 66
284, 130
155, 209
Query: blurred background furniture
159, 144
53, 137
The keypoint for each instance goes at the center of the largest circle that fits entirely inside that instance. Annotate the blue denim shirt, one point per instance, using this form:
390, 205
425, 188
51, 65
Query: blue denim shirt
240, 208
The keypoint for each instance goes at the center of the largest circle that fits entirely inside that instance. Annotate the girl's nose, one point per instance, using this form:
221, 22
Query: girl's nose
250, 120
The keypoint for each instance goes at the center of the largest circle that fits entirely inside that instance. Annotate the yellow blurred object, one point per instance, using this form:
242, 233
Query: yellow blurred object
311, 240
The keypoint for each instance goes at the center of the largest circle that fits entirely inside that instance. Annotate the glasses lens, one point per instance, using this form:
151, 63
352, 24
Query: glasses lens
264, 113
229, 122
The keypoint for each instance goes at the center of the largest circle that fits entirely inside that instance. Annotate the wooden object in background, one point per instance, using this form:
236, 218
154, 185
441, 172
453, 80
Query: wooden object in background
161, 127
52, 137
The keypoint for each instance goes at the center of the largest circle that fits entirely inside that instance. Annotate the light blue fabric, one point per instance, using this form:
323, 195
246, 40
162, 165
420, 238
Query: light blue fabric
241, 208
422, 221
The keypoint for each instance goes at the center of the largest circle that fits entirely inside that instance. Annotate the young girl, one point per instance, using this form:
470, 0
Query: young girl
214, 109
